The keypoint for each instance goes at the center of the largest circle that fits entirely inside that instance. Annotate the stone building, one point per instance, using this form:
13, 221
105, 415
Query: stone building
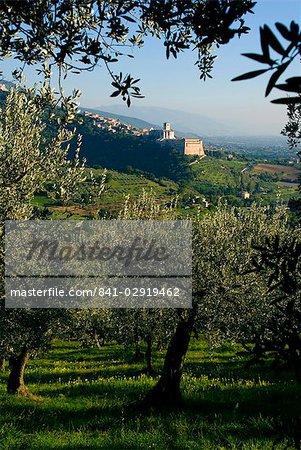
245, 195
187, 146
193, 146
168, 133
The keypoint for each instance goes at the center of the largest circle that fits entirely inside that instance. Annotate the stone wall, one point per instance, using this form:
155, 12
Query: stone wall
193, 146
186, 146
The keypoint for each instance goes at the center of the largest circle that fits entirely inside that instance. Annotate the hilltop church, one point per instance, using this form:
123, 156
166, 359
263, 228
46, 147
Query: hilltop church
187, 146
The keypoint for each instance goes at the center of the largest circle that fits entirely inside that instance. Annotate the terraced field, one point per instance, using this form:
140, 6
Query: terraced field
213, 179
285, 172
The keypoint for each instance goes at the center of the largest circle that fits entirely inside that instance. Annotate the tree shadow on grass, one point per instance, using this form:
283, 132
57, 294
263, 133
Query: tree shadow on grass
116, 370
74, 405
220, 395
234, 368
273, 400
91, 355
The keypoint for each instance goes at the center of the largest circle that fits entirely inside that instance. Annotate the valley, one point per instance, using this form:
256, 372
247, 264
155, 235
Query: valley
211, 181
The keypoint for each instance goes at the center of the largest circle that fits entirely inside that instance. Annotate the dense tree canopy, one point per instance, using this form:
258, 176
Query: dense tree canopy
28, 160
77, 35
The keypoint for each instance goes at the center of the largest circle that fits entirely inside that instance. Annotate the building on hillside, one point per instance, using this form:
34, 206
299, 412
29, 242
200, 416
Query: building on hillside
115, 125
245, 195
168, 133
187, 146
193, 146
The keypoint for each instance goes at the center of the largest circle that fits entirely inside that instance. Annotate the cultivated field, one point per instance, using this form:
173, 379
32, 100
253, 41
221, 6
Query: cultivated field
285, 172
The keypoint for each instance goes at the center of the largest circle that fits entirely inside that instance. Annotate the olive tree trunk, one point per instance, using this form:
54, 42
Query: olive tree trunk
96, 340
15, 383
138, 353
148, 356
2, 361
294, 347
167, 391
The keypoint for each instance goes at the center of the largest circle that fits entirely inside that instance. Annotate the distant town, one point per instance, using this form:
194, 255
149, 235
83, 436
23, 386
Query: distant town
165, 137
115, 126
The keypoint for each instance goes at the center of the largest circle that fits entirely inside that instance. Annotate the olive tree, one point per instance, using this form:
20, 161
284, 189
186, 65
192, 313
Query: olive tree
75, 36
286, 43
153, 327
287, 46
29, 159
227, 296
149, 325
279, 259
92, 327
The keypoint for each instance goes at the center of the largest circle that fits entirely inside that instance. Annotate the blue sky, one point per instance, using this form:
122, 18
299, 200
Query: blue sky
175, 84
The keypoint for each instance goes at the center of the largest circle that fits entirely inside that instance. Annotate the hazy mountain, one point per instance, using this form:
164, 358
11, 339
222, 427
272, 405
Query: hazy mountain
139, 123
184, 122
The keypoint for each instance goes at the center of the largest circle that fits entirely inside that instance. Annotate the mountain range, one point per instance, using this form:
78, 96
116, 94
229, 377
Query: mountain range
139, 123
186, 124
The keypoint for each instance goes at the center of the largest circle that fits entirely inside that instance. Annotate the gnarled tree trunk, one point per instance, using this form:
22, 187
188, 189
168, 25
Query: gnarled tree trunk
15, 383
294, 346
96, 340
138, 353
148, 355
167, 391
159, 346
2, 361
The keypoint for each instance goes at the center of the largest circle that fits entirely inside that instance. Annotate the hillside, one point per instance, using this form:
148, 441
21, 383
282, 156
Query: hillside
118, 186
212, 180
183, 121
119, 152
266, 183
284, 173
140, 163
139, 123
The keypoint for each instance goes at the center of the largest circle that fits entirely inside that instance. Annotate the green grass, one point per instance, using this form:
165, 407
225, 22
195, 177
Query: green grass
218, 172
86, 397
213, 179
214, 176
118, 186
43, 200
122, 184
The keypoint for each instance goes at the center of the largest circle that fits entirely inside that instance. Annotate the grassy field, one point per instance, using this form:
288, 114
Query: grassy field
212, 178
85, 400
286, 172
218, 172
122, 184
118, 186
283, 183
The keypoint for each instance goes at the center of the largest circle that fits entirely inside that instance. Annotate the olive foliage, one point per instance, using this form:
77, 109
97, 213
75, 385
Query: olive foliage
73, 35
29, 160
288, 49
